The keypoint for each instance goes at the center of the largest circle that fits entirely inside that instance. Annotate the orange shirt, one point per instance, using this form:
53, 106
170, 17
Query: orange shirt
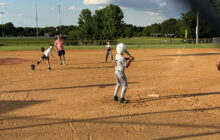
59, 44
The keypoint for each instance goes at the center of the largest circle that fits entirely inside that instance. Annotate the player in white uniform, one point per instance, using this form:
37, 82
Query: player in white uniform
120, 65
46, 55
108, 51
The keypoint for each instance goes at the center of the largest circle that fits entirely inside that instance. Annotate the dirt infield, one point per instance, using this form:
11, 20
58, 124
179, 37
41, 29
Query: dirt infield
75, 101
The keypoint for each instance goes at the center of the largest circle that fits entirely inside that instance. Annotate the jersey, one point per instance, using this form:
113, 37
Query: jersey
108, 47
47, 52
59, 44
120, 62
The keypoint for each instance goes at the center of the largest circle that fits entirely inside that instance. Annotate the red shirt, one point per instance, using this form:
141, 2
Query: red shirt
59, 44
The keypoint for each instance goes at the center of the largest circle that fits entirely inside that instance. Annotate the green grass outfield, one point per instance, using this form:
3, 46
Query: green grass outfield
150, 40
93, 47
31, 43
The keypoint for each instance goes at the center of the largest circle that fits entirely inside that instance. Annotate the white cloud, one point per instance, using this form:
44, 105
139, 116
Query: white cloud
96, 2
101, 7
158, 19
152, 13
155, 16
3, 4
72, 8
163, 4
20, 15
123, 8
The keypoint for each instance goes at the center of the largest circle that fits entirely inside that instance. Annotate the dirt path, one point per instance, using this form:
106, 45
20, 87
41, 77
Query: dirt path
75, 101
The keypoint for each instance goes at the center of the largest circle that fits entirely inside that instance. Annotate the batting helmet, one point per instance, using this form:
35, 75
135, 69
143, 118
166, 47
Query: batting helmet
42, 49
121, 48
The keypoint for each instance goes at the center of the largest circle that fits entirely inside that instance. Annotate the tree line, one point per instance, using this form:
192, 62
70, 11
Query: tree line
107, 24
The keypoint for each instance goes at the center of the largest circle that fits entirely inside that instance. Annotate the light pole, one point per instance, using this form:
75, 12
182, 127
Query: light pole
2, 13
36, 18
60, 16
197, 28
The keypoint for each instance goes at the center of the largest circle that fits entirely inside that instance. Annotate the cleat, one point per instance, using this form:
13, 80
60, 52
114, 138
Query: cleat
115, 98
122, 100
38, 62
49, 68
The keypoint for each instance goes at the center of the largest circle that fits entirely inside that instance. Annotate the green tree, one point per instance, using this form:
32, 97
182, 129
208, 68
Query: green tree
9, 29
127, 30
85, 25
217, 4
19, 31
73, 35
28, 31
112, 21
146, 31
52, 31
155, 28
189, 22
98, 24
169, 26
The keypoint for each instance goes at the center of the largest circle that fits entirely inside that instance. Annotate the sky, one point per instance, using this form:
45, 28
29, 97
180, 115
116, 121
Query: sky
137, 12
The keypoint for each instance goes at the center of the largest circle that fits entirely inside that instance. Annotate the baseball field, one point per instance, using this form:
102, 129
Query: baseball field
172, 93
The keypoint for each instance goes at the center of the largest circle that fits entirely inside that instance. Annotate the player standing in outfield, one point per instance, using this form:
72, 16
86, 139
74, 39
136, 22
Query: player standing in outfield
46, 55
108, 51
59, 46
120, 65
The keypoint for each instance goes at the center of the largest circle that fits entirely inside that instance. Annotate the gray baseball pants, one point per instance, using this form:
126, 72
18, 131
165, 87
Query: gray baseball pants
107, 54
121, 79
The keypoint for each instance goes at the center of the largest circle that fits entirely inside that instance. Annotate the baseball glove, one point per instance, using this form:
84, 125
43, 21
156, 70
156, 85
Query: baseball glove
109, 49
42, 49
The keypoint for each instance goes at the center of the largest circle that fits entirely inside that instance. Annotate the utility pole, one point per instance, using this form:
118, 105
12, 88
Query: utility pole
60, 16
197, 28
36, 18
2, 14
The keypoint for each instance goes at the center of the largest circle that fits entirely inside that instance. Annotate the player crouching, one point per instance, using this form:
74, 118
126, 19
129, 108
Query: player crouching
46, 55
120, 65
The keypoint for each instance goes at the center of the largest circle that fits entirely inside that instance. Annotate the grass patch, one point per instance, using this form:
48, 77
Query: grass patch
16, 44
150, 40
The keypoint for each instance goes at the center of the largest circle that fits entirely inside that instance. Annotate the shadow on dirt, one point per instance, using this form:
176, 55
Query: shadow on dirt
7, 106
124, 119
82, 68
193, 54
109, 62
72, 87
142, 100
190, 136
154, 60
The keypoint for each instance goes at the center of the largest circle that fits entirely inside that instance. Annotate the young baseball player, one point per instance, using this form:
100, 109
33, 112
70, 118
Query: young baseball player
59, 46
108, 51
120, 65
46, 55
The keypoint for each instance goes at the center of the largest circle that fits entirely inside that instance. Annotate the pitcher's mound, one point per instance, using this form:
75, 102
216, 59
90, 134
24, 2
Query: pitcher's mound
12, 60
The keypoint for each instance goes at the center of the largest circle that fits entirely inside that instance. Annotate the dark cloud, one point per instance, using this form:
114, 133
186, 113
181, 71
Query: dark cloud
207, 11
